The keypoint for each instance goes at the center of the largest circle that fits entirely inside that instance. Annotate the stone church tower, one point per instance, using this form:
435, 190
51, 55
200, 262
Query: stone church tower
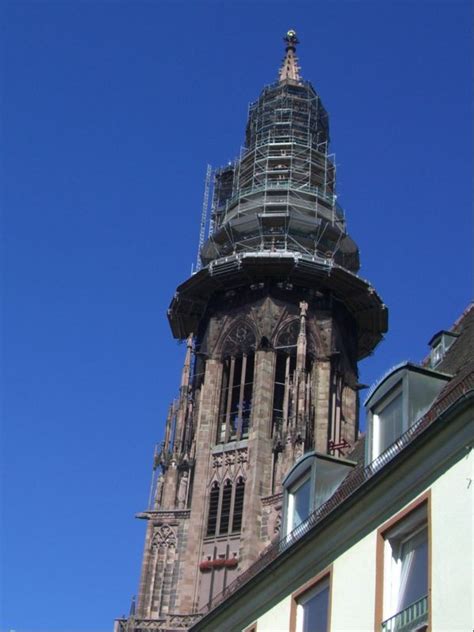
275, 321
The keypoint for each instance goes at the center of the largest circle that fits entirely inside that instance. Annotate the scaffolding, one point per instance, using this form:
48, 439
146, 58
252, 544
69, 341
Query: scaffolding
205, 207
279, 195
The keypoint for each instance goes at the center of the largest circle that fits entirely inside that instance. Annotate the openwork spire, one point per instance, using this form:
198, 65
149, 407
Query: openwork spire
289, 69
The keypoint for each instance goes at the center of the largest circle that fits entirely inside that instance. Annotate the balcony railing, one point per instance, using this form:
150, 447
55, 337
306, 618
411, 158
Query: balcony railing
414, 617
169, 623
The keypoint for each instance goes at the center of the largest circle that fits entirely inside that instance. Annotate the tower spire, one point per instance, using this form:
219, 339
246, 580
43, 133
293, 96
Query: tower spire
289, 69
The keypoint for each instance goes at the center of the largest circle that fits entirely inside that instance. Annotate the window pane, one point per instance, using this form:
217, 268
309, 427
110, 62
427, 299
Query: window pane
390, 422
414, 571
301, 498
315, 612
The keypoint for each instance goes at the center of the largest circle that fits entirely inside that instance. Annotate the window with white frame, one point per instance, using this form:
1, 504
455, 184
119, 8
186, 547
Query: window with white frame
309, 483
312, 608
387, 421
299, 502
437, 354
406, 573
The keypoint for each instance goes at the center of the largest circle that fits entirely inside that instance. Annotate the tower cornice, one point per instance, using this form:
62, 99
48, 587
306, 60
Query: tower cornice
244, 269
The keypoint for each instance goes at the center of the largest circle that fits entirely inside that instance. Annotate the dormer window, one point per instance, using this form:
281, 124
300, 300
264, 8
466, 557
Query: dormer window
299, 502
439, 344
436, 354
388, 419
397, 402
310, 482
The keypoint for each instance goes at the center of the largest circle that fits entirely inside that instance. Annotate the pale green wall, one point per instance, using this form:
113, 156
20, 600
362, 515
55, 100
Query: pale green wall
452, 550
277, 619
353, 587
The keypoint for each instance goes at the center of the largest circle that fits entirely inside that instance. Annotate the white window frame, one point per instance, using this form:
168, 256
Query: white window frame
397, 391
400, 530
437, 353
395, 563
306, 478
302, 598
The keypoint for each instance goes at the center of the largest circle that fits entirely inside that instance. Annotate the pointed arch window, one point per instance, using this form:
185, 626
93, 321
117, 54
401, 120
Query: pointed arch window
284, 393
226, 503
236, 397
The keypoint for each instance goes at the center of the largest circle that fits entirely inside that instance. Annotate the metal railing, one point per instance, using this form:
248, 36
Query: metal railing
169, 623
412, 618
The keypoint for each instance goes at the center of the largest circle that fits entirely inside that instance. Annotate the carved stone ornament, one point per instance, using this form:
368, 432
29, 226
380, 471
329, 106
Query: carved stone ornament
273, 522
231, 457
229, 465
242, 456
217, 460
288, 334
164, 537
240, 339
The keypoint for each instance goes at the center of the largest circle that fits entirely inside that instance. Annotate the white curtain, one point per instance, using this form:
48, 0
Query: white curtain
413, 573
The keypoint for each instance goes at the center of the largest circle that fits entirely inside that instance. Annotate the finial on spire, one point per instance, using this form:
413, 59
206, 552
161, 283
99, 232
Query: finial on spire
289, 68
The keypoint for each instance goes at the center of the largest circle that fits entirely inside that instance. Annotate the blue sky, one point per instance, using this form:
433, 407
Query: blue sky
110, 113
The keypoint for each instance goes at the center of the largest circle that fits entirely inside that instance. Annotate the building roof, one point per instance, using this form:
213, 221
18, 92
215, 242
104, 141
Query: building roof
357, 453
461, 352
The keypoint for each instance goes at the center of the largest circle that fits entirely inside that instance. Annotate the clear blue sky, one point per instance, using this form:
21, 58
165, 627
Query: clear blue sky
110, 113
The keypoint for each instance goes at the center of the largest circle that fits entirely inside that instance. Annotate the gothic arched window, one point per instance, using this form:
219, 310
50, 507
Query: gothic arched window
284, 384
284, 370
237, 384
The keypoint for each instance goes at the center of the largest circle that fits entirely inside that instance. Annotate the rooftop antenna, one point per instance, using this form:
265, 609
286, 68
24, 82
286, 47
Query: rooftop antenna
205, 206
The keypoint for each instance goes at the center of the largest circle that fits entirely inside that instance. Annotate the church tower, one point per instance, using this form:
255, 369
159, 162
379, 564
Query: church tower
275, 321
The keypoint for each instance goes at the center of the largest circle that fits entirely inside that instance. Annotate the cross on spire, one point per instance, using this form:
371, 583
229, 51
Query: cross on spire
289, 69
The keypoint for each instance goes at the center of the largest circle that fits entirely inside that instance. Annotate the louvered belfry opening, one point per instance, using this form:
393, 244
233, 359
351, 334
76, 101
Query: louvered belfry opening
225, 508
213, 509
238, 505
226, 504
